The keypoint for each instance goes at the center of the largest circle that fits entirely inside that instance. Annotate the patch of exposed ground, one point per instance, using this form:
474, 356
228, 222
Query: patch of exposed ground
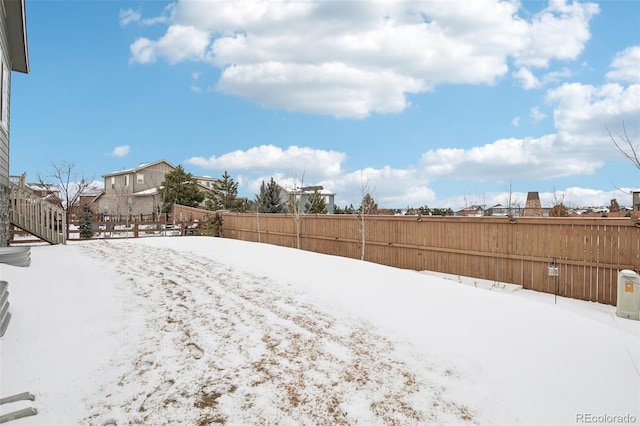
224, 346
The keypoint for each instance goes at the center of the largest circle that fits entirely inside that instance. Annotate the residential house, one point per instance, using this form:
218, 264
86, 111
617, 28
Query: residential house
47, 191
497, 210
474, 210
13, 57
133, 191
136, 191
207, 181
302, 195
500, 210
86, 199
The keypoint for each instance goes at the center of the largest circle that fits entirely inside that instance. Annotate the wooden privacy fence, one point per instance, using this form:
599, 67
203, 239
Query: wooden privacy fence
588, 251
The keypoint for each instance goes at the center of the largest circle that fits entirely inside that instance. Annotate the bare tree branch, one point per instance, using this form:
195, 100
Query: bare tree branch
70, 184
624, 145
294, 205
367, 207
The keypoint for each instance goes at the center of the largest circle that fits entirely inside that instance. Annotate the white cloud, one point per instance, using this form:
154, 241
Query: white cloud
587, 197
529, 81
331, 88
313, 163
555, 76
388, 186
626, 66
537, 115
582, 111
558, 32
526, 78
505, 159
128, 16
580, 145
351, 59
195, 88
143, 51
515, 122
180, 43
120, 151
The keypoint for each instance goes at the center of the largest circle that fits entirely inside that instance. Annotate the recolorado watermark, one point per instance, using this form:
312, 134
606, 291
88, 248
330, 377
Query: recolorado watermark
589, 418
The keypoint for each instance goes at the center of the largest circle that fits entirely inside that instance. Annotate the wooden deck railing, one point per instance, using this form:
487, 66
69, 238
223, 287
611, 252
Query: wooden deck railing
39, 217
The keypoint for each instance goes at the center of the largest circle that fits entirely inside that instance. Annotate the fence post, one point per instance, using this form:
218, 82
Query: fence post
135, 230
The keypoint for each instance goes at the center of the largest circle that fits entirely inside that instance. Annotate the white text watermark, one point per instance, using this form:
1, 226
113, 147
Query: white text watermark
589, 418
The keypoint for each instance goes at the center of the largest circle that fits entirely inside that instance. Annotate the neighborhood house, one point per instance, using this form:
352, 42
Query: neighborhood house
136, 192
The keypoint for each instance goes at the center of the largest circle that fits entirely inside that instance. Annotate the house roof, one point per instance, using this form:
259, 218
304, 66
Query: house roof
136, 169
43, 187
95, 199
307, 190
17, 35
150, 191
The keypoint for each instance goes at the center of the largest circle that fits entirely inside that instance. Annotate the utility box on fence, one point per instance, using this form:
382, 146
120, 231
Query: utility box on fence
628, 305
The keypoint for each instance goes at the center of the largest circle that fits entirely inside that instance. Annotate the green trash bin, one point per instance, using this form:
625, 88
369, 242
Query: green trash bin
628, 305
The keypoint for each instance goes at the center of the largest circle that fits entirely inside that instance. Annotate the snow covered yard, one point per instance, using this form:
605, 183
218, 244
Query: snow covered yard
198, 330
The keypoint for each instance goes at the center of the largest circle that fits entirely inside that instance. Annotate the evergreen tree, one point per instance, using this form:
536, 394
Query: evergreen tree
442, 212
268, 200
85, 223
211, 225
368, 205
316, 204
225, 195
180, 187
344, 210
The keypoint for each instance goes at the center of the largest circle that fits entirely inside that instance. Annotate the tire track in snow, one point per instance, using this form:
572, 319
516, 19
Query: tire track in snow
224, 346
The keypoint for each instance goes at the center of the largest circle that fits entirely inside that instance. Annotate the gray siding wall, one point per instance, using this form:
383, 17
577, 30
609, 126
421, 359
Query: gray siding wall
4, 139
118, 200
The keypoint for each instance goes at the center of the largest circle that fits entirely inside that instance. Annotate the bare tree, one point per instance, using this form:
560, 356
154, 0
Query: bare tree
558, 209
367, 207
624, 145
121, 196
70, 183
512, 203
294, 205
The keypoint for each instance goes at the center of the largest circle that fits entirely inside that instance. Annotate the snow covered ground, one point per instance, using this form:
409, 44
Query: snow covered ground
198, 330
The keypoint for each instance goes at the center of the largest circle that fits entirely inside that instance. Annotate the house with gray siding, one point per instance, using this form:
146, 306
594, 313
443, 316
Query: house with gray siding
133, 191
136, 191
13, 57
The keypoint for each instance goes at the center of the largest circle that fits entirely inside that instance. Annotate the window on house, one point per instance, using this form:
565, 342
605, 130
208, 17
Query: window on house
113, 182
140, 178
126, 180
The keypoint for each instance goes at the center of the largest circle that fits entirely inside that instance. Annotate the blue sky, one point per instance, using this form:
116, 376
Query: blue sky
425, 103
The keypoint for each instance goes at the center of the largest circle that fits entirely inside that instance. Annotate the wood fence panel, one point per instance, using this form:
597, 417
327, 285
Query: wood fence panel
589, 251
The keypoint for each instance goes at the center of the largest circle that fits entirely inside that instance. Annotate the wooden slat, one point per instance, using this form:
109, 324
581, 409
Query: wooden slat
589, 251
